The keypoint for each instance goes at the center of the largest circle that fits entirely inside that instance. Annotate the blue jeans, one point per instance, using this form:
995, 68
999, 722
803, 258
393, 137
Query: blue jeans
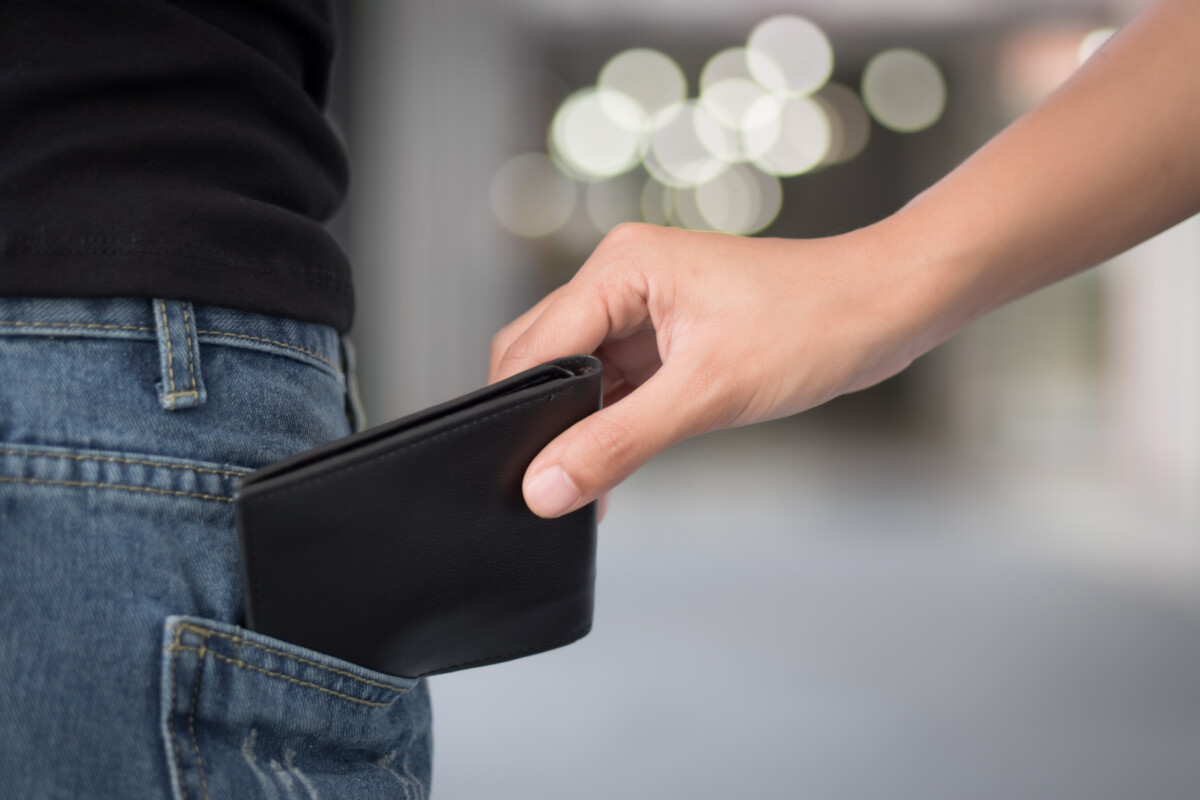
124, 426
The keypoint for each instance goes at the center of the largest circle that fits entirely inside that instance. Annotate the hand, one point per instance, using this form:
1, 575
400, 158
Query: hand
701, 331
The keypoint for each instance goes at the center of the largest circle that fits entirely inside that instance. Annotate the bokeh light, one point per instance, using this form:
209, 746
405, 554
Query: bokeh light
729, 64
677, 156
656, 202
729, 101
849, 123
530, 197
763, 112
904, 90
802, 142
723, 142
737, 119
740, 200
770, 193
588, 140
611, 202
651, 80
789, 55
685, 211
1093, 42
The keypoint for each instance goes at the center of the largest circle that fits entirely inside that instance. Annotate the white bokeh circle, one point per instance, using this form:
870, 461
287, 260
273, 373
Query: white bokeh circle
789, 55
904, 90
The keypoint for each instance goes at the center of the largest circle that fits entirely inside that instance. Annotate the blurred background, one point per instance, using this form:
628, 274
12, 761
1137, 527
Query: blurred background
979, 579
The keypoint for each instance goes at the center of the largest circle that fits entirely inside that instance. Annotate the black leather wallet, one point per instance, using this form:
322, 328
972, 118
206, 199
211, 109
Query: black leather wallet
408, 548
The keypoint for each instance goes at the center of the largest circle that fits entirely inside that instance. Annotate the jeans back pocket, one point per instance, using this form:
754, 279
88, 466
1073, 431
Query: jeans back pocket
245, 715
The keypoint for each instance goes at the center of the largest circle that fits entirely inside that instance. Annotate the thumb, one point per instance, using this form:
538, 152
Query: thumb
605, 448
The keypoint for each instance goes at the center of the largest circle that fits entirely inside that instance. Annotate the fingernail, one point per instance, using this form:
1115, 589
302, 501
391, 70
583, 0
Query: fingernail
551, 492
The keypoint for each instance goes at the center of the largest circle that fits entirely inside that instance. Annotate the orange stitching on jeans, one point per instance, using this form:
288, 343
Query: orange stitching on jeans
88, 325
86, 485
192, 393
187, 335
237, 662
320, 358
192, 722
114, 459
237, 640
171, 715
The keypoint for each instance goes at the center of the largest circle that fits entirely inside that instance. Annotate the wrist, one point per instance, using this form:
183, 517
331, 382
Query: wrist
932, 275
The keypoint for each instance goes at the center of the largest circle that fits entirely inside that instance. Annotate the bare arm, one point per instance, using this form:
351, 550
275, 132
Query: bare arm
1112, 158
700, 331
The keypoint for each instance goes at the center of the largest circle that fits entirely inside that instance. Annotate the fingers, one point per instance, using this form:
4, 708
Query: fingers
577, 320
607, 299
600, 451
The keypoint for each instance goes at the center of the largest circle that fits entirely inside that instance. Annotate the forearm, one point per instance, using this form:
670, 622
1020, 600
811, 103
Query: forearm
1110, 159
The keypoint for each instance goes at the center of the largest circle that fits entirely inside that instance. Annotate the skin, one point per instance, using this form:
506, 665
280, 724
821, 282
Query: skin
703, 331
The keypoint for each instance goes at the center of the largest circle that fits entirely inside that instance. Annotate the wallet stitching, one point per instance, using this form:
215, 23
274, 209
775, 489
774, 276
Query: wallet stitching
514, 653
282, 490
239, 641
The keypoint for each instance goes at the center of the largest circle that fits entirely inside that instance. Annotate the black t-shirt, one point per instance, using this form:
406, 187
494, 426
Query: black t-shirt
173, 149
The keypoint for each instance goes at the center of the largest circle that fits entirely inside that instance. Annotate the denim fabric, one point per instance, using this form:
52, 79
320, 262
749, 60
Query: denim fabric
124, 427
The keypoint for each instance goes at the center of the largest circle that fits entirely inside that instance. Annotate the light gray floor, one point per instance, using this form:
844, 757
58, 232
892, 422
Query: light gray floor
783, 621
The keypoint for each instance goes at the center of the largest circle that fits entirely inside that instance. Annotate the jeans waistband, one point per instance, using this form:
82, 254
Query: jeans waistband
143, 318
179, 327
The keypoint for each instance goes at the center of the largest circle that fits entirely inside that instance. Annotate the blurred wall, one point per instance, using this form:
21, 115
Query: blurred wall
435, 276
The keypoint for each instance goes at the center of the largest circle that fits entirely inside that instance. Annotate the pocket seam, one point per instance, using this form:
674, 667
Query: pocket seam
192, 723
170, 716
205, 634
297, 348
11, 451
117, 487
237, 662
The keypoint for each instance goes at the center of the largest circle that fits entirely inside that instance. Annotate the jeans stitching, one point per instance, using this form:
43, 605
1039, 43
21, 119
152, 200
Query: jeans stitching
171, 718
192, 722
317, 356
237, 662
146, 329
239, 641
187, 335
93, 325
119, 486
162, 304
74, 457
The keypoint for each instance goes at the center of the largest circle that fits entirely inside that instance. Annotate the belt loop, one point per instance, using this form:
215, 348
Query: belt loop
180, 383
354, 407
